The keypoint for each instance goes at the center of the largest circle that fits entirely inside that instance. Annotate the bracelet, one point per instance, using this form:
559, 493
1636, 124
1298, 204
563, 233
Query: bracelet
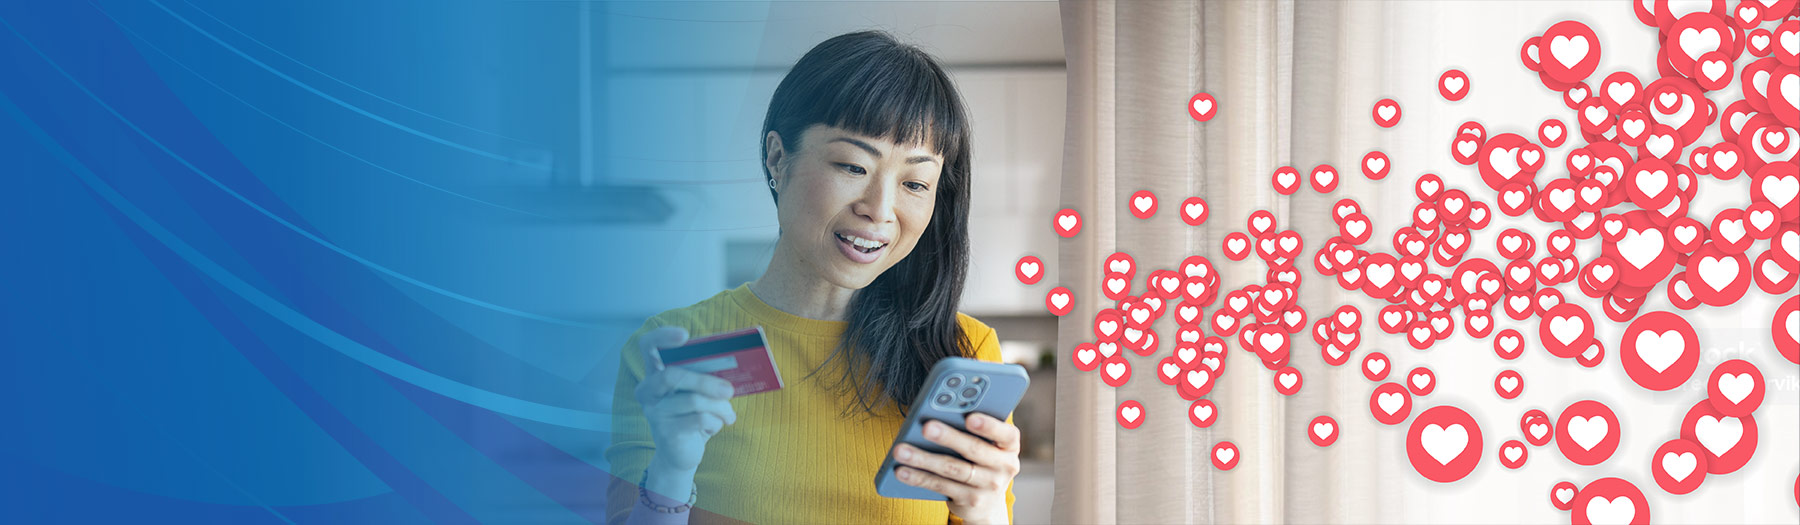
644, 496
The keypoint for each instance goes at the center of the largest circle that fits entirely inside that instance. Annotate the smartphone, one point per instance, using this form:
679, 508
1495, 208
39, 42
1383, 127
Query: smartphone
955, 388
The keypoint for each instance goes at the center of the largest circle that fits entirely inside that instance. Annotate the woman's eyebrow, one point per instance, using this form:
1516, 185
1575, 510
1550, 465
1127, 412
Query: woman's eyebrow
916, 159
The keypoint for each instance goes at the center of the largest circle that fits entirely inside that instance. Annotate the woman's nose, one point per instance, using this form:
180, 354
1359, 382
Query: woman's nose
877, 202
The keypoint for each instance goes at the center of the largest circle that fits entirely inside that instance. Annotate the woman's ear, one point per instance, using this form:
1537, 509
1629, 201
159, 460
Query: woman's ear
776, 160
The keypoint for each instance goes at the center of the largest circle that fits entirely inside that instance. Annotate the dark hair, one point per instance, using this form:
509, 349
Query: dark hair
905, 321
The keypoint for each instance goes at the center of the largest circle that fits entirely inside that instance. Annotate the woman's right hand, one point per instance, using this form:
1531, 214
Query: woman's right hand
684, 408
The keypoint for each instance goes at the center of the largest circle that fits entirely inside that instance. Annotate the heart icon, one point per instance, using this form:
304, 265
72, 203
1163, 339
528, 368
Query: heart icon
1067, 223
1550, 132
1588, 432
1453, 85
1536, 426
1386, 113
1323, 431
1143, 204
1609, 501
1286, 180
1224, 455
1375, 165
1390, 403
1728, 441
1202, 413
1512, 454
1193, 211
1086, 357
1566, 330
1509, 384
1288, 381
1678, 466
1444, 444
1562, 495
1735, 388
1130, 414
1659, 351
1574, 51
1029, 269
1202, 107
1059, 301
1324, 178
1421, 381
1115, 371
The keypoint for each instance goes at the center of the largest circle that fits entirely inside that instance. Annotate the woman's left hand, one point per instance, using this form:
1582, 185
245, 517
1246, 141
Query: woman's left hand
976, 487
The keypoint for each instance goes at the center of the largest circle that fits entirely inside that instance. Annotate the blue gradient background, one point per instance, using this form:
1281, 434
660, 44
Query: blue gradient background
270, 262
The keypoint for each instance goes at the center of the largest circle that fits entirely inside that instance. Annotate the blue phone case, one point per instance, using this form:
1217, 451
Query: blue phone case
997, 389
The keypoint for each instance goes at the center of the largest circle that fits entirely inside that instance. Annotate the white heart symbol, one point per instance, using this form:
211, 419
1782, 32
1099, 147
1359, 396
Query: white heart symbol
1391, 402
1678, 466
1444, 444
1736, 387
1567, 329
1660, 350
1453, 84
1588, 431
1569, 51
1718, 435
1618, 510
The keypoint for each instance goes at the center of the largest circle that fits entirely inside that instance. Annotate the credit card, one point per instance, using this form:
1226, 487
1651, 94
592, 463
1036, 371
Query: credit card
741, 357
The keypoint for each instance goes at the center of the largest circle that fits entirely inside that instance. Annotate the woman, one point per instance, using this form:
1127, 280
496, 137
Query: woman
866, 152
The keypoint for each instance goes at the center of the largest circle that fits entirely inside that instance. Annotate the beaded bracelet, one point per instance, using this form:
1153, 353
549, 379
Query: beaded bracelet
644, 495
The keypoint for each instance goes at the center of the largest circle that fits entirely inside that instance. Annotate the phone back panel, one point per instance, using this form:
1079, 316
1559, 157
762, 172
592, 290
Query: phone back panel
997, 392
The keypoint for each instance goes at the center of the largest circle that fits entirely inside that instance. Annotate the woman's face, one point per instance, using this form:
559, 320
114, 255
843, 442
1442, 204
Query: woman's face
851, 206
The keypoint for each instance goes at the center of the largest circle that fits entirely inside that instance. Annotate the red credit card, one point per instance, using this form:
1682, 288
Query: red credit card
741, 357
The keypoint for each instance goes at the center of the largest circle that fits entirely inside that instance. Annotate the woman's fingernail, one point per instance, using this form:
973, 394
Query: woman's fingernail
905, 475
977, 421
903, 453
932, 429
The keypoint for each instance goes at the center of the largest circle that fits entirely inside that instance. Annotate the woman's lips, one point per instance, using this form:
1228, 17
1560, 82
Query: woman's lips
856, 255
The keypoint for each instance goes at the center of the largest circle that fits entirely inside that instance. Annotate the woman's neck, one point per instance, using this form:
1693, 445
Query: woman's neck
786, 286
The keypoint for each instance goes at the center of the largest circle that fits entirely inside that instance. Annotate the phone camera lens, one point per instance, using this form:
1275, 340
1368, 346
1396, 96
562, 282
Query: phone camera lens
970, 392
954, 381
943, 399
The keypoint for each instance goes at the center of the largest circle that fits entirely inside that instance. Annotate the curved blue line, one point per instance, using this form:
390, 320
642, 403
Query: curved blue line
500, 403
347, 105
322, 142
284, 222
278, 52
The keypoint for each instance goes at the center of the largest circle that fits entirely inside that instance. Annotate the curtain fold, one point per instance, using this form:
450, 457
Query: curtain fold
1280, 71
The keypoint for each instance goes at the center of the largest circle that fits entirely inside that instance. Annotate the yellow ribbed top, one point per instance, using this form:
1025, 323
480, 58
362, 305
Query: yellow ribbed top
792, 457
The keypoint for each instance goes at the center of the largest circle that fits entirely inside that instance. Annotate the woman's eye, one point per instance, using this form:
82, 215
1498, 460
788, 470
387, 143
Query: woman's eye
917, 186
852, 168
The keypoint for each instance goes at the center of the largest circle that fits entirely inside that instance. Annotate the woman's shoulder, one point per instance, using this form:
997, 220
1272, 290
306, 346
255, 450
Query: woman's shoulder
702, 315
971, 325
981, 336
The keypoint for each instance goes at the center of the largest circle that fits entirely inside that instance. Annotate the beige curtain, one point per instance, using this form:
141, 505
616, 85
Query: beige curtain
1281, 72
